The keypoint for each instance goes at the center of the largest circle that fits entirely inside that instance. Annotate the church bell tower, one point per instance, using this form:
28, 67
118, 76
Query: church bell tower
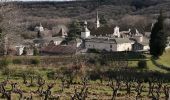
97, 21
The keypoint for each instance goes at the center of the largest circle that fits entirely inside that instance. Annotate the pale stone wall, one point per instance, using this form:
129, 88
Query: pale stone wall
109, 46
20, 50
85, 35
57, 42
101, 46
146, 48
39, 28
124, 47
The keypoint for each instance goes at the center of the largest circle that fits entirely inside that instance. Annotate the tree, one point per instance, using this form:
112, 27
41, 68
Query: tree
36, 52
8, 13
24, 51
103, 20
115, 88
75, 29
158, 39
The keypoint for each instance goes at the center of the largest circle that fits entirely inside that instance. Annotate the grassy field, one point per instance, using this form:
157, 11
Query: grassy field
165, 59
96, 89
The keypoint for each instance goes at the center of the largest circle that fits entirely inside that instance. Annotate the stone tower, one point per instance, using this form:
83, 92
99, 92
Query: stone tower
97, 21
86, 32
116, 32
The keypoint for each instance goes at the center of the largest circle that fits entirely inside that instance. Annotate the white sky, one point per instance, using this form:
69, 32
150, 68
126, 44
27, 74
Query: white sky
42, 0
37, 0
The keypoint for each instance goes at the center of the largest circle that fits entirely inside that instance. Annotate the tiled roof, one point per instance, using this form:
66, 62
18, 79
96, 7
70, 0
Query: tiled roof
59, 49
47, 39
109, 40
62, 32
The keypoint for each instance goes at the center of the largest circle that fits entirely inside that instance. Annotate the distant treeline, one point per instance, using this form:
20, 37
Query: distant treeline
136, 3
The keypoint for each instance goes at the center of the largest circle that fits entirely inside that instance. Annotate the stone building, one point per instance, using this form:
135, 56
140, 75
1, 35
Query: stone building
62, 33
131, 40
85, 32
19, 50
109, 44
39, 28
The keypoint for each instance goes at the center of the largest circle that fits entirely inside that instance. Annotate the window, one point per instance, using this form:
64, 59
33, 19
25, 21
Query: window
110, 46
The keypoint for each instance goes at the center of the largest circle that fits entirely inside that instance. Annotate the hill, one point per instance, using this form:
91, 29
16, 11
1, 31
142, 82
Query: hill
132, 13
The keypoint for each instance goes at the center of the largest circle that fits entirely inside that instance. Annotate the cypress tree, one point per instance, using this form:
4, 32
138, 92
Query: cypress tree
158, 39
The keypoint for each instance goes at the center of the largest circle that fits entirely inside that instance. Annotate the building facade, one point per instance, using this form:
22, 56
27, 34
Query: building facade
109, 44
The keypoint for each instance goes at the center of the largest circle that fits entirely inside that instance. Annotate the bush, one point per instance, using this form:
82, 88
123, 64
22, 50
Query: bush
35, 61
5, 62
51, 75
93, 51
142, 64
36, 52
17, 61
9, 72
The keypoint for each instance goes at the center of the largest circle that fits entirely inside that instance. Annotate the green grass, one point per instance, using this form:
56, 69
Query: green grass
165, 58
96, 89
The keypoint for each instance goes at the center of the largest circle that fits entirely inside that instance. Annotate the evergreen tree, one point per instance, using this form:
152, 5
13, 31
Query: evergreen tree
39, 34
103, 20
24, 51
75, 29
36, 52
158, 39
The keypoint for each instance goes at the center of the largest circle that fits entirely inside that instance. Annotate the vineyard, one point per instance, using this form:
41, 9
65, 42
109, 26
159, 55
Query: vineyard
105, 76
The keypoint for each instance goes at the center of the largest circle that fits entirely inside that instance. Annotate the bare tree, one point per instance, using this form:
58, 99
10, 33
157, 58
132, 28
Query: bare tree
139, 88
40, 83
48, 91
115, 88
82, 94
8, 17
166, 90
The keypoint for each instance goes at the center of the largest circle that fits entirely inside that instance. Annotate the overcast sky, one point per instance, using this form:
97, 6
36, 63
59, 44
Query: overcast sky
42, 0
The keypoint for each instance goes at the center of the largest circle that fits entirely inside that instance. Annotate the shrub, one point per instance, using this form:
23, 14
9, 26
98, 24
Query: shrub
93, 51
9, 72
51, 75
142, 64
17, 61
36, 52
24, 51
35, 61
5, 62
92, 61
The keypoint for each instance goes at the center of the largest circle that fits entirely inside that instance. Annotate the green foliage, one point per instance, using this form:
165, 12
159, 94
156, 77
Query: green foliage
35, 61
93, 51
0, 33
158, 39
16, 61
9, 72
142, 64
75, 29
51, 75
103, 20
36, 52
4, 62
24, 51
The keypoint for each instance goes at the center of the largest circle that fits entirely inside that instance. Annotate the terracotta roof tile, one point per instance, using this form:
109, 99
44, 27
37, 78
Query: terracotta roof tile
59, 49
